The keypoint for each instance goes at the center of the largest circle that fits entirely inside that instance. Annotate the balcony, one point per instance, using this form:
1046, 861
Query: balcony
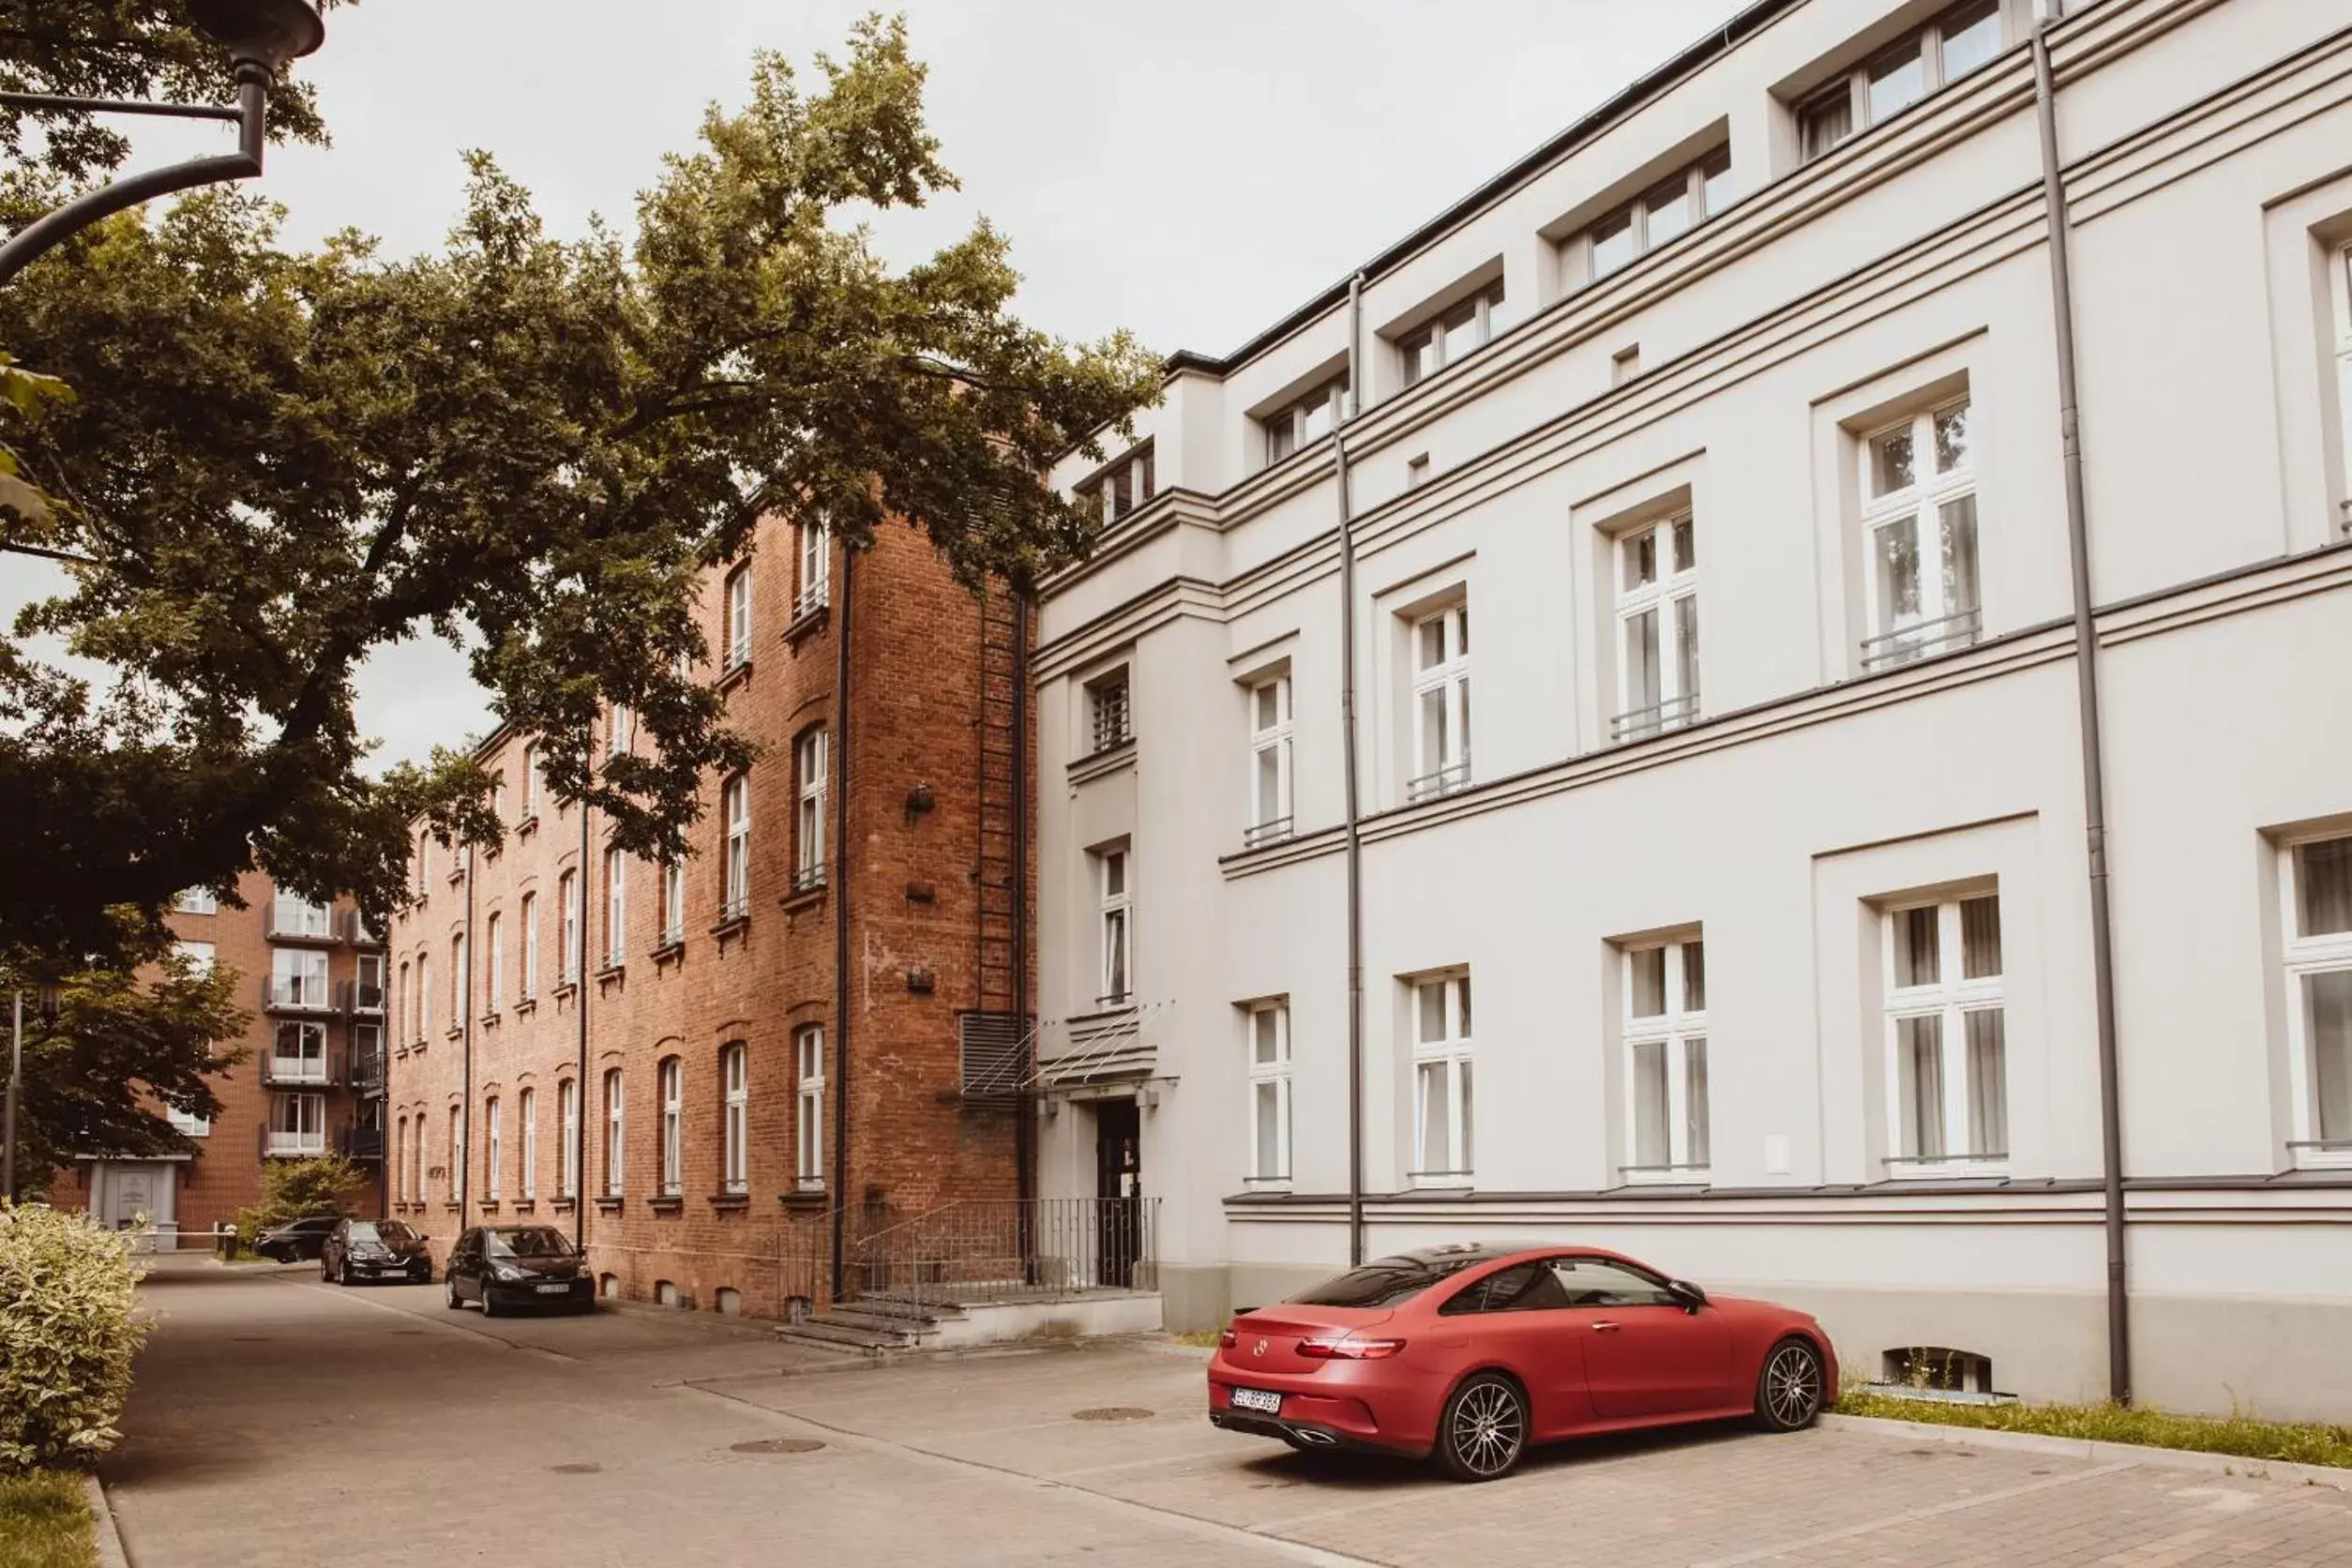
288, 921
367, 1070
296, 993
364, 996
1442, 781
292, 1146
1259, 834
359, 1143
1656, 719
358, 932
1923, 639
324, 1071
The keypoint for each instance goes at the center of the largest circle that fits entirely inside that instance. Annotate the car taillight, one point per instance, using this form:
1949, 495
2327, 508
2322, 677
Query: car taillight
1350, 1350
1226, 1340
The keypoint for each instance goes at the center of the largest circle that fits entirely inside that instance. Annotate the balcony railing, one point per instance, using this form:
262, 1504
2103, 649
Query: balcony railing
1260, 834
303, 1072
367, 1070
808, 878
812, 599
300, 922
287, 1146
1444, 781
357, 931
979, 1249
362, 996
360, 1143
1113, 726
295, 993
1905, 644
1641, 723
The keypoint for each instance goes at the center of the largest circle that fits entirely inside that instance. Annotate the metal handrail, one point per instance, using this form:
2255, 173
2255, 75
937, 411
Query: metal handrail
1642, 723
1272, 831
1921, 638
983, 1249
1442, 781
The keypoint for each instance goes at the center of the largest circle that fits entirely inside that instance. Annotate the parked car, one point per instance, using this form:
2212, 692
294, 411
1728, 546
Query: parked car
508, 1266
1468, 1354
358, 1250
298, 1241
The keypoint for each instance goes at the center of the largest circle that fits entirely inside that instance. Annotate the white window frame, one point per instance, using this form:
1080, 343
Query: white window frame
615, 1132
734, 1077
298, 977
292, 915
1671, 594
1266, 1026
197, 901
1450, 1053
1950, 1000
811, 760
306, 1113
672, 901
567, 1123
460, 975
620, 725
531, 782
306, 1062
2325, 952
1114, 889
735, 802
1124, 485
569, 944
1110, 710
808, 1108
199, 956
494, 1148
739, 617
496, 977
1294, 426
455, 1166
673, 1085
616, 908
528, 988
370, 964
424, 998
527, 1124
1693, 179
1943, 620
1852, 87
1439, 765
816, 569
1429, 347
1678, 1032
1271, 811
2340, 292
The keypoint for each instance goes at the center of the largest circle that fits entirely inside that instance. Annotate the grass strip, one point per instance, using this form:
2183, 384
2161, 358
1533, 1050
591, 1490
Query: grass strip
2296, 1442
44, 1522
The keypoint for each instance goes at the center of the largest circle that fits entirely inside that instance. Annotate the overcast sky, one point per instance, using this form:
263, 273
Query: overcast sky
1190, 171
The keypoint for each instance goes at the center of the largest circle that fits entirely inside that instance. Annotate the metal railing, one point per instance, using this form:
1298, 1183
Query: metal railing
293, 921
808, 877
1113, 726
812, 599
1905, 644
360, 1143
996, 1248
1443, 781
361, 996
1259, 834
1640, 724
302, 1072
296, 993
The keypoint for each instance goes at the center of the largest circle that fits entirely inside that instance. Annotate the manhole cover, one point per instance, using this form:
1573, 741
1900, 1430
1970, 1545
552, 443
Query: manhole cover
590, 1469
778, 1445
1114, 1413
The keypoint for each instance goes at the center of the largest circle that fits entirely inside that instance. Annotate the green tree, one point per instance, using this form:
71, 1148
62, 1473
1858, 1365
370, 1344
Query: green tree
127, 1045
295, 1189
280, 462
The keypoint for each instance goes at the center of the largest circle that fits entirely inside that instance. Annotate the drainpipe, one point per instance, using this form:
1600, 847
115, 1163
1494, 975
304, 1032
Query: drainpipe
1350, 769
463, 1153
579, 1076
2094, 768
1024, 1134
841, 925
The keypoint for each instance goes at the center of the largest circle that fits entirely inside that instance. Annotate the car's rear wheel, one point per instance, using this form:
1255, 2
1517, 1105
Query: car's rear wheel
1484, 1430
1788, 1392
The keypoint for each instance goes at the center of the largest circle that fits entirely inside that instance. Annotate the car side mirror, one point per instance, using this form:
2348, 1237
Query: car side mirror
1690, 1296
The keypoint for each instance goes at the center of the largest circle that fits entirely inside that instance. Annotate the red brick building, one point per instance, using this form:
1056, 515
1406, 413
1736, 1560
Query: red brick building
311, 1083
703, 1070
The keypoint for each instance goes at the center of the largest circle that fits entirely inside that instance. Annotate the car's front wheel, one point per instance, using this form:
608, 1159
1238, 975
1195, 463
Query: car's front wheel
454, 1304
1484, 1430
489, 1303
1788, 1392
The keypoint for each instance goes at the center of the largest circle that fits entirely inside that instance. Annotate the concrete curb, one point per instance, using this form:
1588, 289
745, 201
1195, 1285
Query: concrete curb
110, 1540
2084, 1448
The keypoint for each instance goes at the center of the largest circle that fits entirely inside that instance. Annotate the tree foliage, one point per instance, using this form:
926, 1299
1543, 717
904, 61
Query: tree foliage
67, 1336
282, 461
127, 1045
296, 1189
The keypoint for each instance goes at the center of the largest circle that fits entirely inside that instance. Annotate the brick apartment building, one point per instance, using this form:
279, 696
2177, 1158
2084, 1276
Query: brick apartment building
706, 1071
311, 1083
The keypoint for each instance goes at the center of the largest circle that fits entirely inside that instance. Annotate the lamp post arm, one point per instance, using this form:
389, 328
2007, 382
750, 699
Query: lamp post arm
51, 229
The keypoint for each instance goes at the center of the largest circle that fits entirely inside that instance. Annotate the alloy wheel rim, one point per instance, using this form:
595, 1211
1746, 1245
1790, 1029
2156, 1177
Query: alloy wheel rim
1488, 1428
1792, 1386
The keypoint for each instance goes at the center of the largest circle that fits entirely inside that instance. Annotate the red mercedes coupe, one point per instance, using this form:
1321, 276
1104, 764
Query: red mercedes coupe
1468, 1354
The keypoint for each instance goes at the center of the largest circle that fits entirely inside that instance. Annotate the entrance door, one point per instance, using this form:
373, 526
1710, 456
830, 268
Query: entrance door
1119, 1185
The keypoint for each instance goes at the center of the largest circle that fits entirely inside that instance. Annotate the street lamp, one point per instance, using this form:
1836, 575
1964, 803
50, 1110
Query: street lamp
261, 37
45, 999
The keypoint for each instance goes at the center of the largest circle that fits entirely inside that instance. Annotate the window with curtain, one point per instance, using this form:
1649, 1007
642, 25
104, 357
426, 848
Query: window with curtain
672, 901
495, 975
739, 617
529, 987
816, 570
808, 827
567, 899
567, 1122
1919, 527
1945, 1036
617, 909
1898, 76
494, 1150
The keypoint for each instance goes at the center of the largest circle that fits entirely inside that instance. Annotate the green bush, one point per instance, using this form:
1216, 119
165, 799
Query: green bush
295, 1189
66, 1335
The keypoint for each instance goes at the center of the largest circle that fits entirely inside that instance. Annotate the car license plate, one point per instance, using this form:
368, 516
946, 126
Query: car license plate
558, 1290
1258, 1399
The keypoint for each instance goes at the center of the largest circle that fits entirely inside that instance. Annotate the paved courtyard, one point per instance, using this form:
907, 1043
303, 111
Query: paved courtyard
279, 1422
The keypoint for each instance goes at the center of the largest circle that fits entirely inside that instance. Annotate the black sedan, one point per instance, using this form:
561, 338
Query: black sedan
359, 1250
508, 1266
298, 1241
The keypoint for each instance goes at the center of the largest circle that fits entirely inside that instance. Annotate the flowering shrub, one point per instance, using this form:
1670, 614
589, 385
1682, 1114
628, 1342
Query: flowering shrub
66, 1335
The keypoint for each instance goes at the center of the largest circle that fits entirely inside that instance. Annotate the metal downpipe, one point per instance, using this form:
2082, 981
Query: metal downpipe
2094, 767
1351, 769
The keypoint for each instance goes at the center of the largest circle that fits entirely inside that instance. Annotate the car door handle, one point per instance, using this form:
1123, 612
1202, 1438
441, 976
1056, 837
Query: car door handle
1605, 1328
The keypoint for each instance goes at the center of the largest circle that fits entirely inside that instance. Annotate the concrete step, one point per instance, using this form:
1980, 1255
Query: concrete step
837, 1336
877, 1319
902, 1306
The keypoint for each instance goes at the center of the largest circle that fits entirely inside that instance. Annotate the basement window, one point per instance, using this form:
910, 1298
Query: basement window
1936, 1370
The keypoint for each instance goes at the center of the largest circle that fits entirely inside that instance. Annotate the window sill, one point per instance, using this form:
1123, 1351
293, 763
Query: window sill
609, 1205
1985, 1168
734, 675
1664, 1175
1440, 1181
671, 952
492, 849
527, 825
489, 1019
813, 619
454, 1030
566, 988
525, 1206
488, 1205
563, 1205
1100, 764
667, 1203
730, 1202
1265, 1184
810, 1198
611, 972
805, 898
526, 1004
732, 927
457, 876
451, 1206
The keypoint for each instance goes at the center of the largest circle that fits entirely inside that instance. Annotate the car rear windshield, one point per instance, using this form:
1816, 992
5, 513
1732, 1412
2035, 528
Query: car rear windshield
391, 1232
1386, 1281
540, 1241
